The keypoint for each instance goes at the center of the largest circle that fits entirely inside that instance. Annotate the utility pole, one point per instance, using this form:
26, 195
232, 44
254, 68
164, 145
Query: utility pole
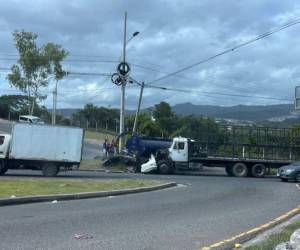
138, 110
8, 113
116, 126
122, 108
54, 105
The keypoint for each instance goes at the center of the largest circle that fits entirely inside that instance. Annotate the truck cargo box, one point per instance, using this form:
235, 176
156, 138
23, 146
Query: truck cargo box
46, 143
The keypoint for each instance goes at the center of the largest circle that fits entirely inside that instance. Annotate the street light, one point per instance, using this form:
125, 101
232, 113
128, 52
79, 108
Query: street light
133, 35
122, 108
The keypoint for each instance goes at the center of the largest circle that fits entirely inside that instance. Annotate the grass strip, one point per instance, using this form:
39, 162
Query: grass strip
98, 136
273, 240
91, 165
33, 187
97, 165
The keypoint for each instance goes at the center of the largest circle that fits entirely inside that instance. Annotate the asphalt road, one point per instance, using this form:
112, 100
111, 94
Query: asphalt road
201, 210
91, 150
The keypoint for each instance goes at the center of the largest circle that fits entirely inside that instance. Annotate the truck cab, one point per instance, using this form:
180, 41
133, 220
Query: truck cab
4, 145
180, 155
178, 151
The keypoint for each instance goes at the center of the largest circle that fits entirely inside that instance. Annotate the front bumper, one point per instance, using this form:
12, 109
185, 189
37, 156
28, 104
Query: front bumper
149, 166
287, 176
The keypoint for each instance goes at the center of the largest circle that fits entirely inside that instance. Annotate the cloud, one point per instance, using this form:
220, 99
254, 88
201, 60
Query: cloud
173, 34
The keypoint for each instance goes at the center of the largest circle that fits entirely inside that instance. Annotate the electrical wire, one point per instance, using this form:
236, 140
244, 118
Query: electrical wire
193, 91
269, 33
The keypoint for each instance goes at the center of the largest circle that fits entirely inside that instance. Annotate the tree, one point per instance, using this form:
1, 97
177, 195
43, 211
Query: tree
35, 65
96, 117
198, 128
165, 118
12, 106
146, 126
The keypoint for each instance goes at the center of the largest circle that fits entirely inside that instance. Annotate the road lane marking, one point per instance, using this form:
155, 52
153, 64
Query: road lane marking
298, 186
234, 239
182, 185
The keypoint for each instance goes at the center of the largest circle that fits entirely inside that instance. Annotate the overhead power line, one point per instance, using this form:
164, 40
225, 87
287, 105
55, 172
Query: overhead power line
275, 30
193, 91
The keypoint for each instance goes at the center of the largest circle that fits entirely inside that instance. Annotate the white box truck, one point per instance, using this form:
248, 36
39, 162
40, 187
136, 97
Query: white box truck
41, 147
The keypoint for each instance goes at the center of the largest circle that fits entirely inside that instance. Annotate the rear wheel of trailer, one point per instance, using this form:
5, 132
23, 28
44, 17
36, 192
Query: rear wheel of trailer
258, 170
240, 169
50, 169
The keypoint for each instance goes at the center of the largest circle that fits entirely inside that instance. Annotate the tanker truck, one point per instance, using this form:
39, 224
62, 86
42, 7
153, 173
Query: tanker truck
241, 150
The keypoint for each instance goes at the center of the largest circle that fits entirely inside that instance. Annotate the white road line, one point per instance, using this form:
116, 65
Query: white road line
298, 186
181, 185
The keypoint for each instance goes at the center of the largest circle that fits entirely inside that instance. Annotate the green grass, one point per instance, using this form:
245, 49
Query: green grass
277, 238
98, 135
273, 171
91, 165
33, 187
96, 165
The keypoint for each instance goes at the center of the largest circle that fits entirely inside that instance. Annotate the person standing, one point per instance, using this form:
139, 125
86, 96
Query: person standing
114, 147
105, 149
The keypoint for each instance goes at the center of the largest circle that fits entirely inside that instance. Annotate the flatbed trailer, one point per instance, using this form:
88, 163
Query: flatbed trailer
241, 150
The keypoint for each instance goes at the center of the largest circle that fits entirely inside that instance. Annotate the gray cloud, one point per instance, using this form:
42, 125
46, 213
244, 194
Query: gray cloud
173, 34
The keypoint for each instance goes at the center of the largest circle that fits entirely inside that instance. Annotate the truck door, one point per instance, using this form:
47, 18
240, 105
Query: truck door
179, 151
2, 146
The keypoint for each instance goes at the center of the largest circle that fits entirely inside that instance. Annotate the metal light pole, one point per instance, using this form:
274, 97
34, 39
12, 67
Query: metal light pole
122, 108
120, 79
138, 109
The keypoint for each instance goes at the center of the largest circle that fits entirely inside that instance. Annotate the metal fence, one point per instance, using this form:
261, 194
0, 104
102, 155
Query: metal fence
251, 143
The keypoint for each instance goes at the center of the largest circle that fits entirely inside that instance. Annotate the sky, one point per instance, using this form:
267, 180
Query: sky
173, 34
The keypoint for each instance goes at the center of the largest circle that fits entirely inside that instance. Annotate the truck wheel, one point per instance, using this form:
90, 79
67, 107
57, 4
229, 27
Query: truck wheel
3, 168
228, 170
50, 169
164, 167
239, 170
258, 170
137, 168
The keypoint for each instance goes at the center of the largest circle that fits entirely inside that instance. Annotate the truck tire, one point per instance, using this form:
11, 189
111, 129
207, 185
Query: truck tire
3, 168
258, 170
164, 167
240, 170
50, 169
228, 170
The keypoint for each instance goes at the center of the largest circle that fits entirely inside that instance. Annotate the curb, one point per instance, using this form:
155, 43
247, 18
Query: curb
61, 197
243, 237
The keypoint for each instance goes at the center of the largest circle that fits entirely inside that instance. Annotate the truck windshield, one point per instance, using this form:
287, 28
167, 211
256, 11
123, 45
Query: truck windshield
179, 145
1, 140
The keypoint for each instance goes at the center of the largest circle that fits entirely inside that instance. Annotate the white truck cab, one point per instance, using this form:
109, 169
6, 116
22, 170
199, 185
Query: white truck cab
179, 149
4, 145
178, 154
